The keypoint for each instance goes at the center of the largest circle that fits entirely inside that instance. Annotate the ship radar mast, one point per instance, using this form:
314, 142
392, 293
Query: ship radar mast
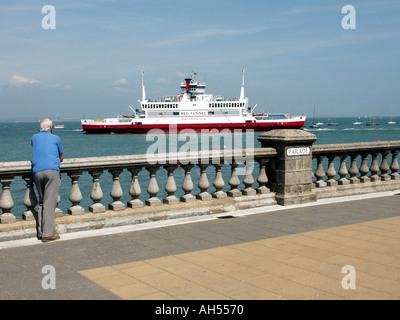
144, 98
242, 89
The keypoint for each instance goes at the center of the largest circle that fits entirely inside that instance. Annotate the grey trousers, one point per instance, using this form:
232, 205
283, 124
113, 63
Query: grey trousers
48, 184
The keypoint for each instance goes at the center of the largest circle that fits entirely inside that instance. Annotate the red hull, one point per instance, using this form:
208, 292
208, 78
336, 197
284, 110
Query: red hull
139, 128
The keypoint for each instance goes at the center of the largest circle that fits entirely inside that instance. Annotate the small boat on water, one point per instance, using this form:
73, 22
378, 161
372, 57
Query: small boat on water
372, 123
315, 125
391, 120
331, 123
193, 109
58, 125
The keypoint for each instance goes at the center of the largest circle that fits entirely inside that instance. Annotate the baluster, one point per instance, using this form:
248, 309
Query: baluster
58, 212
135, 190
320, 172
364, 169
188, 185
30, 200
331, 172
75, 195
218, 183
204, 184
384, 168
374, 168
394, 167
6, 201
152, 188
170, 186
262, 178
234, 181
354, 169
343, 172
116, 191
96, 194
249, 180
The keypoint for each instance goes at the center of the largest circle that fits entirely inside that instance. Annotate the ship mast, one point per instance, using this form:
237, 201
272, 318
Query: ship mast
242, 89
144, 98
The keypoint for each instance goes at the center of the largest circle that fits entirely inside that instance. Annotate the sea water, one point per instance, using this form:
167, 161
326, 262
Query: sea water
15, 146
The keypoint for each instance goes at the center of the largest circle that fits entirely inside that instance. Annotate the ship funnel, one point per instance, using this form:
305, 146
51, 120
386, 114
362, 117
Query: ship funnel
187, 84
144, 98
242, 89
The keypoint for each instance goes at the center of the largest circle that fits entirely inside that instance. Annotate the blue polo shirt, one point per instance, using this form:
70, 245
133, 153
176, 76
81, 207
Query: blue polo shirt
46, 151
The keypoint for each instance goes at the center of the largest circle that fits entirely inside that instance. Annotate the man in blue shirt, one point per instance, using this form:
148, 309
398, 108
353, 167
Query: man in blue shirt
47, 153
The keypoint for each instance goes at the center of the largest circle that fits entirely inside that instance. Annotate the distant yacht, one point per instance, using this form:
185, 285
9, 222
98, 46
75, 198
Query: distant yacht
357, 122
315, 124
58, 125
372, 123
331, 123
391, 120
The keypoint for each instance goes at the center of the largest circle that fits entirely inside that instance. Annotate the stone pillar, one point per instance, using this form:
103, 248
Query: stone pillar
290, 174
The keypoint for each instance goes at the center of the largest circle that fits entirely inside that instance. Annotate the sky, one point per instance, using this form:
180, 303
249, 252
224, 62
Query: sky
84, 58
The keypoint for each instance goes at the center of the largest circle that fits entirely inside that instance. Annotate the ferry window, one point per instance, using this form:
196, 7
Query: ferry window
175, 113
210, 112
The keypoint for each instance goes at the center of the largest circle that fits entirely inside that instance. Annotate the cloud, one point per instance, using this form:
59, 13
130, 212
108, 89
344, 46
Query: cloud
120, 82
19, 81
61, 86
121, 85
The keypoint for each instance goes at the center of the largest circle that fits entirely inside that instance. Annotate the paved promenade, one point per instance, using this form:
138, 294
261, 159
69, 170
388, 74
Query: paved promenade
276, 253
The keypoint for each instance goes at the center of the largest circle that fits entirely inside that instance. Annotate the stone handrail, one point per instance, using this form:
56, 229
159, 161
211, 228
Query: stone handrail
95, 166
355, 168
286, 170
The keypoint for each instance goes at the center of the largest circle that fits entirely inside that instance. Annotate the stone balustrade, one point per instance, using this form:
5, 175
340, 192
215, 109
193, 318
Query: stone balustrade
355, 168
286, 170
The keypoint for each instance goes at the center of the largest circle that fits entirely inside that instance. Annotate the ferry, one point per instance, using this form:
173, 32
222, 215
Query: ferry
193, 109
